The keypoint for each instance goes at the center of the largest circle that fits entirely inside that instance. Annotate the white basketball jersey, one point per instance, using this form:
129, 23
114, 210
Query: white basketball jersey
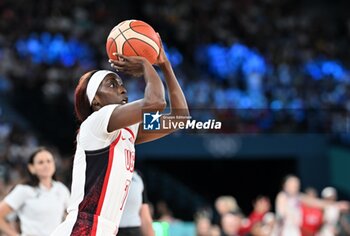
102, 172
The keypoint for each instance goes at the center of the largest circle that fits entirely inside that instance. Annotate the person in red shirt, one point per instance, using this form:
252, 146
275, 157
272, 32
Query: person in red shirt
261, 206
312, 217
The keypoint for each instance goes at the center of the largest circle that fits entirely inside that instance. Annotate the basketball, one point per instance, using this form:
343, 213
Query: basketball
133, 38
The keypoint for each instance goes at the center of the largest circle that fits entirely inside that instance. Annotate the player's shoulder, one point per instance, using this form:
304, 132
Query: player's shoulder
105, 109
108, 109
98, 116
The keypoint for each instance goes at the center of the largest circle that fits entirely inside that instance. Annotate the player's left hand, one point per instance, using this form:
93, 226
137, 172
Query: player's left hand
162, 58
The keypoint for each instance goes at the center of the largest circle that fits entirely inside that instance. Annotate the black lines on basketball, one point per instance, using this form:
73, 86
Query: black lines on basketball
126, 41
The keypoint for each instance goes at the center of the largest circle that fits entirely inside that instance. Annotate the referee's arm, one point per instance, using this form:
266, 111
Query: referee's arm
146, 220
145, 212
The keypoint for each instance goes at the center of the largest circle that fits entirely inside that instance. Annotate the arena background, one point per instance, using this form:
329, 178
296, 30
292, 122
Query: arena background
275, 72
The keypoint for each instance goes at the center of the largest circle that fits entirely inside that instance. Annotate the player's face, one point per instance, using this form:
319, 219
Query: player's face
43, 165
112, 91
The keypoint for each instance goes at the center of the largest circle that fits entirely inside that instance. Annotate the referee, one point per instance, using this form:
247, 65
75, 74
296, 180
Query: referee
136, 219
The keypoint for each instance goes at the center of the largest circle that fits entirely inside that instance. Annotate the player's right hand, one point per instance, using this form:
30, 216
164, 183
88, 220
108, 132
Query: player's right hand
133, 65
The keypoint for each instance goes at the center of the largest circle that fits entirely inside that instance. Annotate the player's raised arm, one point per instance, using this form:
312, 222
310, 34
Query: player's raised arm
178, 104
112, 91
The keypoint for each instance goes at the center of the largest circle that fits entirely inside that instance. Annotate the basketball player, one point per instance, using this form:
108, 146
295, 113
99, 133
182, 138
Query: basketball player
105, 154
40, 202
136, 219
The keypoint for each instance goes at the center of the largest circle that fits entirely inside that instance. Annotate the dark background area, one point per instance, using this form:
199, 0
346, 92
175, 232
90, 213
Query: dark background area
210, 178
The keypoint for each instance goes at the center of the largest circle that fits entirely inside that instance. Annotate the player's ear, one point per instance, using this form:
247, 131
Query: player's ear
95, 105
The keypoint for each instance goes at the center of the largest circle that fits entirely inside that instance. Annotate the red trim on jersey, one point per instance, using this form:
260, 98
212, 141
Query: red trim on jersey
94, 226
132, 134
105, 184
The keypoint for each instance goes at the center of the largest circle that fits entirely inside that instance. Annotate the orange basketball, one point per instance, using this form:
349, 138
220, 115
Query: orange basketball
133, 38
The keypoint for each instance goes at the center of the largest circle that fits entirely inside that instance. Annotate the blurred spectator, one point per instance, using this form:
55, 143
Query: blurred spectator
266, 227
344, 224
288, 207
215, 231
261, 206
164, 213
203, 226
224, 205
312, 217
331, 213
231, 224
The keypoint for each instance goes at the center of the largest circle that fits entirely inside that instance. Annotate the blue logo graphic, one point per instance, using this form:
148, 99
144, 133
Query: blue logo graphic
151, 121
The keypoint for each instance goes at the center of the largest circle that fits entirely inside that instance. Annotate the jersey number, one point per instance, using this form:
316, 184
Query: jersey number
126, 192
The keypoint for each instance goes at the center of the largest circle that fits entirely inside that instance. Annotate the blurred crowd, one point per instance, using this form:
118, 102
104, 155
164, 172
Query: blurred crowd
295, 214
288, 35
